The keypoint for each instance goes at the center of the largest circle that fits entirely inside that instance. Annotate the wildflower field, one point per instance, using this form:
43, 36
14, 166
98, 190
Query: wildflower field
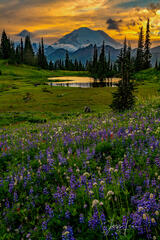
96, 176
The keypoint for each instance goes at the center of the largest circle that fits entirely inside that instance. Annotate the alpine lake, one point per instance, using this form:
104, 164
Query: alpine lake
82, 82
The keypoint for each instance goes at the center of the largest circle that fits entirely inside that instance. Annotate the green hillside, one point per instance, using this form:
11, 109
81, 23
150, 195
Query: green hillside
24, 91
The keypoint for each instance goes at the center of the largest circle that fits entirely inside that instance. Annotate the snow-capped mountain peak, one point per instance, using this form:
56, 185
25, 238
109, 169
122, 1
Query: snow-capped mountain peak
83, 37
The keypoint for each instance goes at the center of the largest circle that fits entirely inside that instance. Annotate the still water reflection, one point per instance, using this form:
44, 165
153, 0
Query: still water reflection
82, 82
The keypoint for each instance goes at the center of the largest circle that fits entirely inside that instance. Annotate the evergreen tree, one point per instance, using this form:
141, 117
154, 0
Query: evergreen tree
21, 51
115, 69
18, 54
60, 64
0, 52
12, 57
109, 71
50, 67
129, 67
123, 98
139, 63
28, 52
71, 66
156, 64
88, 66
94, 67
80, 66
5, 46
101, 71
147, 53
109, 61
124, 63
39, 56
67, 61
44, 63
119, 62
76, 65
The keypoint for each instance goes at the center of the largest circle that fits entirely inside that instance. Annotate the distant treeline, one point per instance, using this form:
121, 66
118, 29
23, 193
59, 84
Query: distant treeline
68, 64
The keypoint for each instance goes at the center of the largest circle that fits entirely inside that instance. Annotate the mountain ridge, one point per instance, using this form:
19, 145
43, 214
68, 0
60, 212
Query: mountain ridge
86, 53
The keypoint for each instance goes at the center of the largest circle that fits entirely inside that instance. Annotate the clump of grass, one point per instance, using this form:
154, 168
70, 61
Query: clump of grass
46, 90
27, 97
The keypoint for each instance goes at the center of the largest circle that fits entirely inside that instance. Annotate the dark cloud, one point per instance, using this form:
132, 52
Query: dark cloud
113, 24
131, 24
137, 3
154, 7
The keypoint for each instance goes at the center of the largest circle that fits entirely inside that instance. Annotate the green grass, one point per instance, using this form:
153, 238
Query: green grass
23, 89
149, 75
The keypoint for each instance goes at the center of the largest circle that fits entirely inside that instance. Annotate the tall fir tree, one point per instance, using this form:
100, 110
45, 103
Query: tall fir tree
147, 46
50, 66
5, 46
123, 98
119, 62
67, 61
21, 51
39, 56
101, 72
44, 63
156, 64
76, 65
109, 61
80, 66
124, 63
139, 62
28, 52
18, 54
94, 67
12, 57
109, 67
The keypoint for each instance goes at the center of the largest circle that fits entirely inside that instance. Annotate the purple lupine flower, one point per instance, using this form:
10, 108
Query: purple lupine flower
71, 199
49, 211
11, 186
68, 234
31, 191
45, 191
44, 225
81, 218
7, 204
94, 220
62, 160
124, 222
67, 214
49, 236
15, 197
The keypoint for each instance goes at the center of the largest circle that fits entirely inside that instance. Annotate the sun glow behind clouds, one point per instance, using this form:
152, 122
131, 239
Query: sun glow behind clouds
158, 12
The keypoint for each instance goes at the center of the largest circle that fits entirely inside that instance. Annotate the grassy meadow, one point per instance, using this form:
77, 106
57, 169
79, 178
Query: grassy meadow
24, 91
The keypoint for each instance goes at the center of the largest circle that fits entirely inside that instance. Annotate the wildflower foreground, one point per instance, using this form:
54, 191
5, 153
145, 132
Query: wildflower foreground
94, 177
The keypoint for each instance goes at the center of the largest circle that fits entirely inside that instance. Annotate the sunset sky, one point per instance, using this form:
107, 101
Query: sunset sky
54, 18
